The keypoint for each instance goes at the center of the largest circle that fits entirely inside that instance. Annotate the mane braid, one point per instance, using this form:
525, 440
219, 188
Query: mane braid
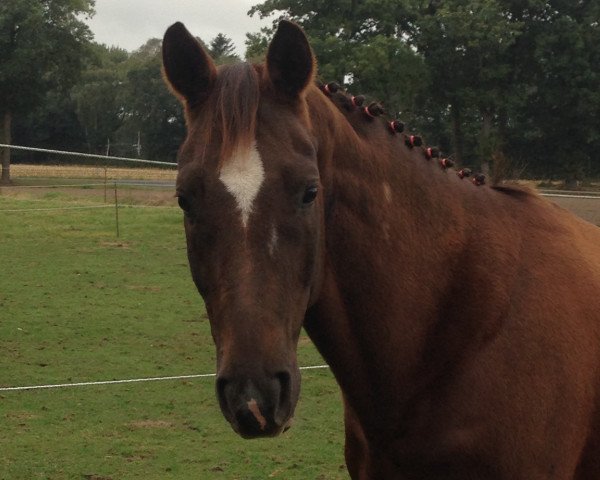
232, 112
347, 104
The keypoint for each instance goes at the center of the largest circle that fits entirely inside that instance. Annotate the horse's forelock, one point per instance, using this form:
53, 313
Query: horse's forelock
230, 113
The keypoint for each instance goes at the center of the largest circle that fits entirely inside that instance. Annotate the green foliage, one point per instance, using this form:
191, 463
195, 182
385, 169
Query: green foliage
483, 79
150, 112
120, 105
55, 119
386, 67
486, 79
256, 46
222, 50
466, 44
97, 96
43, 46
124, 102
560, 111
125, 107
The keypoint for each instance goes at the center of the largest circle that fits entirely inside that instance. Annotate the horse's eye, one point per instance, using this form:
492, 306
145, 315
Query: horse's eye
183, 204
310, 194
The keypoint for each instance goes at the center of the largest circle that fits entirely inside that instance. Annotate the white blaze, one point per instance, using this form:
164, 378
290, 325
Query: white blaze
243, 175
255, 410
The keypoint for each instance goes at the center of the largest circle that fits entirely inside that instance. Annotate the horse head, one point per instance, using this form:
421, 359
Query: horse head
248, 184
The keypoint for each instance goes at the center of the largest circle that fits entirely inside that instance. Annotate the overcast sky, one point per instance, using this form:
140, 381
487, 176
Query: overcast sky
129, 23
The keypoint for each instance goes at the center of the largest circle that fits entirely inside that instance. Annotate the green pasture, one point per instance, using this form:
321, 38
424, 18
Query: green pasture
79, 304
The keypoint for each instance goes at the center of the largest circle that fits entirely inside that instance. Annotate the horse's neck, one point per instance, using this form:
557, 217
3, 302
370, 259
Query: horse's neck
396, 233
398, 217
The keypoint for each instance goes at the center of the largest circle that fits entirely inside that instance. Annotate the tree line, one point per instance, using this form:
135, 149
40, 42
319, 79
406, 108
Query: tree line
512, 86
59, 89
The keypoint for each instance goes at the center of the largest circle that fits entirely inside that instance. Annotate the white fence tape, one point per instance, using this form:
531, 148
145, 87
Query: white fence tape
82, 207
129, 380
86, 155
597, 197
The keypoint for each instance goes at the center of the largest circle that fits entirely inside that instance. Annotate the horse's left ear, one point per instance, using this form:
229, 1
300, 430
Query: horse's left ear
187, 67
290, 61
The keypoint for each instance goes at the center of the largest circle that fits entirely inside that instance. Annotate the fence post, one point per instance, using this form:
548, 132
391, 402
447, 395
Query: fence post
116, 209
105, 182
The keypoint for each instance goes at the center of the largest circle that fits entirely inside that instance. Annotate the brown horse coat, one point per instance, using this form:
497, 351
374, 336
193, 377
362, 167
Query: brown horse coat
462, 323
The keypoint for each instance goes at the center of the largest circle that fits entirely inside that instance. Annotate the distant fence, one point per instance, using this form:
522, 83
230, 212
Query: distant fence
87, 155
111, 184
566, 194
106, 173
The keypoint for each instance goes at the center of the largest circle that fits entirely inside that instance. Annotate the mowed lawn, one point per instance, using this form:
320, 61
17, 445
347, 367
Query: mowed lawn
79, 304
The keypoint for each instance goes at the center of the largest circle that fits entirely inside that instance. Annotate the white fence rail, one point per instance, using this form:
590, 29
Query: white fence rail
128, 380
86, 155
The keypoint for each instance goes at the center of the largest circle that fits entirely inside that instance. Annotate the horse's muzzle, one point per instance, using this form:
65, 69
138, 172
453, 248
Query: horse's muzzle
256, 407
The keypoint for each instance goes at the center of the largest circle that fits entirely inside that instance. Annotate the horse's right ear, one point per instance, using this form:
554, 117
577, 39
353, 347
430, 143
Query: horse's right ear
187, 67
290, 61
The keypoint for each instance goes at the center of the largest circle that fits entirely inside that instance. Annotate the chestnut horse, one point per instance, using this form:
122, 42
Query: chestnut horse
461, 322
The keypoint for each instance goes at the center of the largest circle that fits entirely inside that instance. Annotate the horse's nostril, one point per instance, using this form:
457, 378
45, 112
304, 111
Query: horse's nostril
221, 384
285, 381
259, 406
221, 393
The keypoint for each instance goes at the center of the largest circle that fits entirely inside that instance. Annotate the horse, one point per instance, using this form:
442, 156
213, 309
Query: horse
460, 319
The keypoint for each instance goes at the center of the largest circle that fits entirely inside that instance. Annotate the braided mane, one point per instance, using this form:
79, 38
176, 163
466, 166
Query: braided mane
348, 105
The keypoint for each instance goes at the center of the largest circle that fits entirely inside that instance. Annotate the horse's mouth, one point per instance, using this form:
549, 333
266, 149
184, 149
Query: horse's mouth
250, 434
260, 407
248, 428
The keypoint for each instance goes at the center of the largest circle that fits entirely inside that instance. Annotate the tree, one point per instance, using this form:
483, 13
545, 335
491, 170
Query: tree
508, 79
222, 49
256, 46
360, 43
152, 120
554, 124
43, 46
123, 101
97, 96
52, 124
466, 45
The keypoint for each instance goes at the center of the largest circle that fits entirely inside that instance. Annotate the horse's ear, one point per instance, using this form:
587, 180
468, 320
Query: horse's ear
290, 61
187, 67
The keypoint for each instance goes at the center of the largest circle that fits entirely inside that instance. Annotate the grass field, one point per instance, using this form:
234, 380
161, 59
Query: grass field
78, 304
